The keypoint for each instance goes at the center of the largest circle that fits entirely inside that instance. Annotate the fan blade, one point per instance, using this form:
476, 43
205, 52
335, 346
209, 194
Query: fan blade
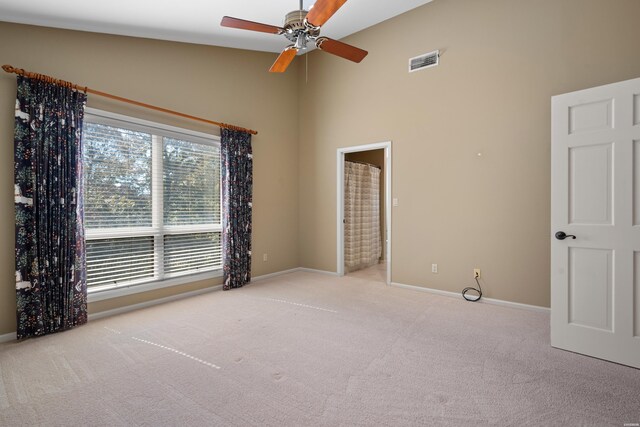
283, 61
340, 49
322, 10
242, 24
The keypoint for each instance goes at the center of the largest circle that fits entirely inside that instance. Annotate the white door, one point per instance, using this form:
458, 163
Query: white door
595, 196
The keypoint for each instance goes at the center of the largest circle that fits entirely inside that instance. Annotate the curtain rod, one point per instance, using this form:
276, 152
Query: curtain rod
21, 72
364, 163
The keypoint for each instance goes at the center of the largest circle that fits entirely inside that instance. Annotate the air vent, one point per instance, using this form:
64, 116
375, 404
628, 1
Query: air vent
424, 61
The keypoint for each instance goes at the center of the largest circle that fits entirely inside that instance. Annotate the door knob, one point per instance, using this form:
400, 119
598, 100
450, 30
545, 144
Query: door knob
561, 235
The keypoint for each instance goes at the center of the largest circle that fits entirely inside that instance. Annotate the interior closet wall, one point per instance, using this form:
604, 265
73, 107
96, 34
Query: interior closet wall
375, 158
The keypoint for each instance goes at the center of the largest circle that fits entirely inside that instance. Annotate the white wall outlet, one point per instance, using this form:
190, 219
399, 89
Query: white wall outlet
476, 273
264, 257
434, 268
395, 202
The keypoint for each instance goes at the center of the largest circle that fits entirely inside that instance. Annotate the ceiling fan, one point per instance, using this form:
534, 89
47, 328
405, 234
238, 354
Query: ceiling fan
301, 27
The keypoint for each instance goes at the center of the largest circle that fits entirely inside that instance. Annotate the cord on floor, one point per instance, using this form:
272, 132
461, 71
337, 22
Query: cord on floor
473, 298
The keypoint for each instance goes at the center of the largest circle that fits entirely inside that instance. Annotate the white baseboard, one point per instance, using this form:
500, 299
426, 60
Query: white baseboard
276, 274
95, 316
120, 310
127, 308
483, 300
312, 270
11, 336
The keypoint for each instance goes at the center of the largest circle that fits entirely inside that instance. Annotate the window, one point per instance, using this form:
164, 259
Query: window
151, 202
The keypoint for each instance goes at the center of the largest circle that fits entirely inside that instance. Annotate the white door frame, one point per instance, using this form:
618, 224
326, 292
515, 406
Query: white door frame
386, 146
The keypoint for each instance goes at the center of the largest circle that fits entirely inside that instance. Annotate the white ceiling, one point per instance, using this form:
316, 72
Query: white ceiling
195, 21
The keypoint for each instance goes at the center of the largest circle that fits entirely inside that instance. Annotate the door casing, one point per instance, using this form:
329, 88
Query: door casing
386, 146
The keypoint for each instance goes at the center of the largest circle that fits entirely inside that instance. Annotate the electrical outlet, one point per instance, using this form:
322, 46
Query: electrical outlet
264, 257
476, 273
434, 268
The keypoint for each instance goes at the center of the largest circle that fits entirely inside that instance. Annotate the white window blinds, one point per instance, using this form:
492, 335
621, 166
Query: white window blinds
152, 203
117, 170
191, 180
122, 260
191, 252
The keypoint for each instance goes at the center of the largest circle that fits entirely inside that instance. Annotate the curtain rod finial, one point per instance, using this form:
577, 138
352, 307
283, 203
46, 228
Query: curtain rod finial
11, 69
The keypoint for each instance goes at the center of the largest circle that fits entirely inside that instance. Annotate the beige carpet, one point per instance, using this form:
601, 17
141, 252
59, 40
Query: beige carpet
309, 349
376, 273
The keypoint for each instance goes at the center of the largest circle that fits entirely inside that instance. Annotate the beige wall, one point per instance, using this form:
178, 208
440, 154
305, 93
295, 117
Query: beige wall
227, 85
375, 158
502, 60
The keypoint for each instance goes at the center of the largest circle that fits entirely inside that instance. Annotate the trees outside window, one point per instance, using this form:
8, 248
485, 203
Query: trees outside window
151, 202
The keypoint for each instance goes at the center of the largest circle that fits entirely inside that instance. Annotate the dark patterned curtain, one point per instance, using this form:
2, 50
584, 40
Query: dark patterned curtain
237, 188
50, 271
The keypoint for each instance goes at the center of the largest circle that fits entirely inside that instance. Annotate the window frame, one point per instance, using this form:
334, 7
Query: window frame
158, 230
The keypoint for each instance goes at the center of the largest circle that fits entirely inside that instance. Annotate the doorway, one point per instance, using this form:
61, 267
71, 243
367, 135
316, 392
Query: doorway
377, 158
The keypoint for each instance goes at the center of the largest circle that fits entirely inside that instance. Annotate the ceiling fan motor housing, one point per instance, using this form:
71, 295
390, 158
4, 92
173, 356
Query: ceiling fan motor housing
294, 25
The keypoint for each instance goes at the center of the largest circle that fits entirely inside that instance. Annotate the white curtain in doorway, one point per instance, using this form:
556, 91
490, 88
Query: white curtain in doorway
362, 240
